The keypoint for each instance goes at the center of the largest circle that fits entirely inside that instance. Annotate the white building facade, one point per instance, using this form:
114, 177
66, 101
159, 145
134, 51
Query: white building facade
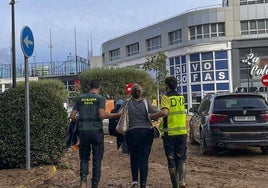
215, 49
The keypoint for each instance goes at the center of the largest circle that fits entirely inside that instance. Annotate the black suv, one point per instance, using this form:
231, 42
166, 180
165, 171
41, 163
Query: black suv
227, 120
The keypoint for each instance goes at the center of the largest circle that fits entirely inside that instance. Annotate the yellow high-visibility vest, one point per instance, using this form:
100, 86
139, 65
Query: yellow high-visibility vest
175, 122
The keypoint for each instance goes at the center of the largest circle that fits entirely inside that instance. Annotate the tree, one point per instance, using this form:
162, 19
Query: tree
157, 63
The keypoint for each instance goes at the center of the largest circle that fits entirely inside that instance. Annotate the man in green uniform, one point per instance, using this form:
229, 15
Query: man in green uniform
174, 131
91, 109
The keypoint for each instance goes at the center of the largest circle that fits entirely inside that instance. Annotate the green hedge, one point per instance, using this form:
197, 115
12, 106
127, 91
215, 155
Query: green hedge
48, 123
114, 81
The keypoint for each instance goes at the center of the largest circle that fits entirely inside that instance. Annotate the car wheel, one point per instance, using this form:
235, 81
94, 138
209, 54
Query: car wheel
264, 150
191, 136
204, 149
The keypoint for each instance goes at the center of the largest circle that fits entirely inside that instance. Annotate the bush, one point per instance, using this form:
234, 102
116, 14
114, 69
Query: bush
114, 81
48, 123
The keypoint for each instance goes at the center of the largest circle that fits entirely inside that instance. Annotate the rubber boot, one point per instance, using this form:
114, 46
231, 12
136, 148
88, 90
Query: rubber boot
181, 174
143, 185
94, 184
173, 177
182, 185
83, 182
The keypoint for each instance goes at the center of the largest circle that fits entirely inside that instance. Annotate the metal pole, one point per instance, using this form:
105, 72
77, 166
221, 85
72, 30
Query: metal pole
157, 84
13, 48
27, 115
75, 51
248, 71
50, 53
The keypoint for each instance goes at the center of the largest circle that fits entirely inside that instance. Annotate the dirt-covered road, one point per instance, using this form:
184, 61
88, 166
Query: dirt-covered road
233, 169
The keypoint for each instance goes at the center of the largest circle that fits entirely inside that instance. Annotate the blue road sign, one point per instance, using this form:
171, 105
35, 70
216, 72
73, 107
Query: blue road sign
27, 41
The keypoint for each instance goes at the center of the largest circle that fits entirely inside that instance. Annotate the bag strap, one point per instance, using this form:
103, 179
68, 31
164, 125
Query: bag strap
146, 106
124, 107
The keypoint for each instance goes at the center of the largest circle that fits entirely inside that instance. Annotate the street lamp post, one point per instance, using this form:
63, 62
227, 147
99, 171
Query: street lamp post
12, 3
157, 85
248, 72
250, 60
75, 52
50, 53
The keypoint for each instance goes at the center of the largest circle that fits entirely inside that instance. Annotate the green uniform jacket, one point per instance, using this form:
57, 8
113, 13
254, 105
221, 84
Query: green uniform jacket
87, 105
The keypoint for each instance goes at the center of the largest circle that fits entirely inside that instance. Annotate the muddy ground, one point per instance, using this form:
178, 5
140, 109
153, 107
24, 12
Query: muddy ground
235, 168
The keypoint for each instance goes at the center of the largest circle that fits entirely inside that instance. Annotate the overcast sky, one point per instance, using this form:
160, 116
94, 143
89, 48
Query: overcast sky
95, 21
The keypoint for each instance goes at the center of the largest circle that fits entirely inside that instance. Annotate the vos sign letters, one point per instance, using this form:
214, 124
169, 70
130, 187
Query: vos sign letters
207, 72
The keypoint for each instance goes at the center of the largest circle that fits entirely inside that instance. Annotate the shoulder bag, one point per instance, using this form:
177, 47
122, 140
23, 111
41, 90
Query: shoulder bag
123, 122
155, 130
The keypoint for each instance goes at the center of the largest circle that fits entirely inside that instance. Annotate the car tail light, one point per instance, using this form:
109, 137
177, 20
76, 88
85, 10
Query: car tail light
264, 117
215, 118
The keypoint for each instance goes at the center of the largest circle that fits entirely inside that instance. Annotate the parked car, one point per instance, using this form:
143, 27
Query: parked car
228, 120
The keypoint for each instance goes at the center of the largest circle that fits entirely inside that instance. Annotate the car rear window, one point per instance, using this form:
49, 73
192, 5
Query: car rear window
239, 102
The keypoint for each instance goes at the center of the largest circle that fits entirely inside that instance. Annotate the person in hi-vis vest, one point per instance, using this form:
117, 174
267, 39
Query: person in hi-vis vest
174, 131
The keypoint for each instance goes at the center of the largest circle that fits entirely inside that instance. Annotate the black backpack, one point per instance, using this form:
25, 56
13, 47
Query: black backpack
113, 122
72, 134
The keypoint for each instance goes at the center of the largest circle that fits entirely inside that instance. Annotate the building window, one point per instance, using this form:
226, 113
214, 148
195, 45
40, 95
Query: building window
221, 29
261, 26
133, 49
213, 30
243, 2
114, 54
153, 43
244, 28
178, 68
199, 32
266, 28
192, 33
251, 2
208, 72
174, 37
207, 31
252, 27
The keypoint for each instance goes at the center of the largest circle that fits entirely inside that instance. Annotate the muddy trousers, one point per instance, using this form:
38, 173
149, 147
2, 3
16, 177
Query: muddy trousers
177, 175
175, 150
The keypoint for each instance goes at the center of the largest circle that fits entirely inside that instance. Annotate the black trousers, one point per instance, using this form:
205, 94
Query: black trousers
91, 141
121, 141
139, 142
